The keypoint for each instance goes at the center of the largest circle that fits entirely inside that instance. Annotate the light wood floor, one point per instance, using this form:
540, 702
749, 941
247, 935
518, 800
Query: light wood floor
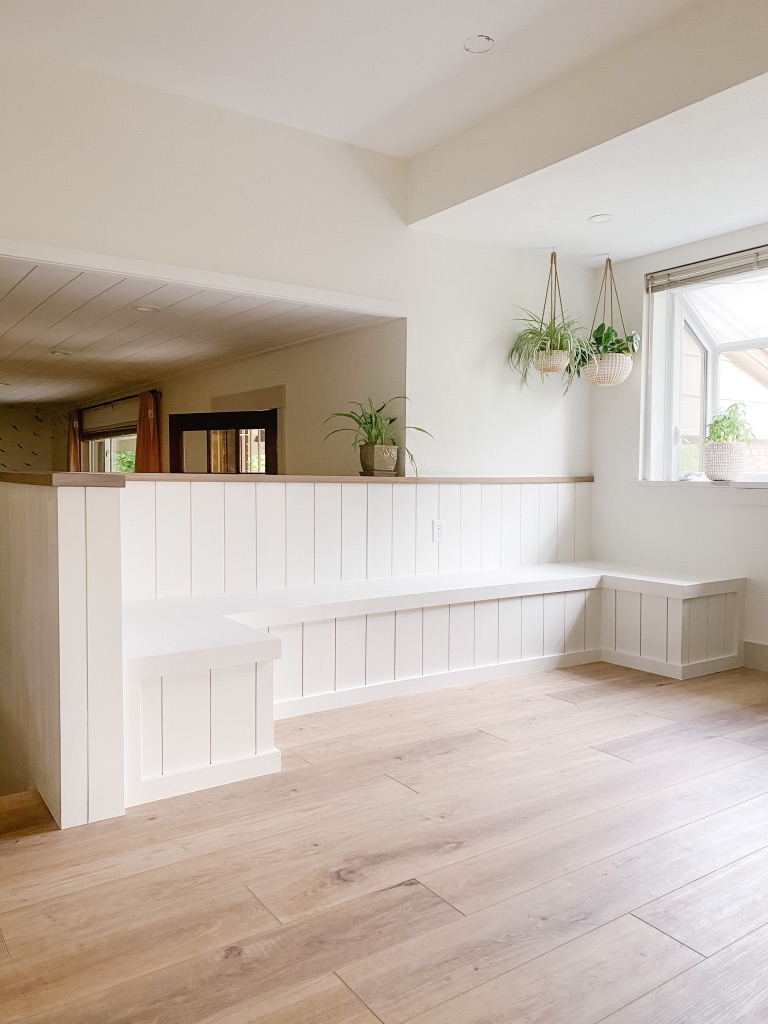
581, 846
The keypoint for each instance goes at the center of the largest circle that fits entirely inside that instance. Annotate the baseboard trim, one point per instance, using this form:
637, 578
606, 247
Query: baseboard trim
756, 655
670, 671
196, 779
423, 684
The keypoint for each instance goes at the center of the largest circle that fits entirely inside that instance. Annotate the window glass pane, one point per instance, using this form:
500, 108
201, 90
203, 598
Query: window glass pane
123, 454
691, 403
734, 310
253, 451
743, 377
223, 454
194, 451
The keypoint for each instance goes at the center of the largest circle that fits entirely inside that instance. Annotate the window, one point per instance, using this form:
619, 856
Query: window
111, 454
708, 349
224, 442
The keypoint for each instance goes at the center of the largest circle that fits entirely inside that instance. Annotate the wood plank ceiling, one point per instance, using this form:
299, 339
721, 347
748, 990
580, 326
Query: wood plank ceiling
68, 334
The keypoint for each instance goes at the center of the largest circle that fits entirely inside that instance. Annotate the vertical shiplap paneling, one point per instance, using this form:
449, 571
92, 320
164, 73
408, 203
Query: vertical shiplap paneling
404, 530
593, 620
449, 551
408, 643
548, 523
270, 536
354, 531
532, 626
653, 627
554, 624
106, 762
380, 648
697, 628
300, 534
207, 537
677, 639
350, 652
471, 526
510, 525
71, 600
490, 557
510, 629
186, 721
319, 657
435, 628
151, 727
239, 537
731, 623
327, 533
583, 522
379, 531
575, 621
137, 525
486, 633
174, 551
427, 510
461, 639
608, 619
530, 521
289, 667
627, 622
566, 522
233, 712
716, 626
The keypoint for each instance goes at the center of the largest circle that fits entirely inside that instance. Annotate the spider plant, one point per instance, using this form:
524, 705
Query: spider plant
372, 427
557, 334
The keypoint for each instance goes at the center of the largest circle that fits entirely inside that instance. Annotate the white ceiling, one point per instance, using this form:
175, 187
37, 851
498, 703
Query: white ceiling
695, 174
391, 75
112, 346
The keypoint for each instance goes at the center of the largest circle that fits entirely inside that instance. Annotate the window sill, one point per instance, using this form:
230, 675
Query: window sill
745, 492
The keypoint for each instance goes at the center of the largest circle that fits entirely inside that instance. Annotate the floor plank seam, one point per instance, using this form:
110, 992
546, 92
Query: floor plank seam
656, 988
361, 1000
4, 946
403, 784
443, 898
698, 952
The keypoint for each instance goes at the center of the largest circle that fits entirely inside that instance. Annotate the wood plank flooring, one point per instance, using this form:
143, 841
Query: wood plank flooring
574, 847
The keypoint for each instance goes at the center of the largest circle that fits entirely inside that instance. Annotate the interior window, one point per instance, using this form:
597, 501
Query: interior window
111, 454
242, 442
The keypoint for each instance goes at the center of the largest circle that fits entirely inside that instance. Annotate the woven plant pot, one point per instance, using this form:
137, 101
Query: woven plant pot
608, 368
551, 362
378, 459
725, 460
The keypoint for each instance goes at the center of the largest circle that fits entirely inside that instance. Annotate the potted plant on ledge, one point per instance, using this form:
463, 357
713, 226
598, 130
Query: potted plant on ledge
725, 449
375, 437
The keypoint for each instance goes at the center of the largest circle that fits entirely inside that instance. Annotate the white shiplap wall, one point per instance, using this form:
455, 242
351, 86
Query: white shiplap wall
212, 537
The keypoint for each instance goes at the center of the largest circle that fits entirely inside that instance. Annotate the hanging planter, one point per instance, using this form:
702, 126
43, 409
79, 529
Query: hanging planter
609, 359
552, 342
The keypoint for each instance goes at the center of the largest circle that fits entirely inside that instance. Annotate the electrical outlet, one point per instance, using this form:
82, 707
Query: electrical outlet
438, 530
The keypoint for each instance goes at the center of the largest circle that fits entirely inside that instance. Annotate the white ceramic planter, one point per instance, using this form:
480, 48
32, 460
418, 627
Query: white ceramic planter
551, 362
725, 460
608, 368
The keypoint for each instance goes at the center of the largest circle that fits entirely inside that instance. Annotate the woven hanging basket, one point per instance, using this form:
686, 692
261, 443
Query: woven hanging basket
725, 460
608, 368
551, 362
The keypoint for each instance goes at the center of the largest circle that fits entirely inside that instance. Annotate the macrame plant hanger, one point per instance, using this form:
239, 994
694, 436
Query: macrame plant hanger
554, 361
607, 295
607, 369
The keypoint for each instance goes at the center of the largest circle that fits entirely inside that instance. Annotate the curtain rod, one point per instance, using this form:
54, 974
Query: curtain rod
115, 401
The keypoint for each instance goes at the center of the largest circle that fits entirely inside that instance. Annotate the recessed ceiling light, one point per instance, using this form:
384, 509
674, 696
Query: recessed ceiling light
147, 309
478, 44
600, 218
59, 352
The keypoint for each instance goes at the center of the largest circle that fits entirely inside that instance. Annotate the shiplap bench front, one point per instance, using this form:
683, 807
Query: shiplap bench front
356, 641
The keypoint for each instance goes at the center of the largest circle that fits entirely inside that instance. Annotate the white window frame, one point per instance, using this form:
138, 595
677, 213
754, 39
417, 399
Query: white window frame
667, 313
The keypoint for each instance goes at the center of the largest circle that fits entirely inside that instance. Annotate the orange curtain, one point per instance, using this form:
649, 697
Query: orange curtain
74, 454
147, 433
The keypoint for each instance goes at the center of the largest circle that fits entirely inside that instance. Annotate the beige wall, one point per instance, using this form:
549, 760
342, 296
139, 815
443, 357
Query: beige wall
102, 165
33, 439
462, 320
320, 377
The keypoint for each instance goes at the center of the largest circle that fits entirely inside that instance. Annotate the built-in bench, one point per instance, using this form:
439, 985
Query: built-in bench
199, 683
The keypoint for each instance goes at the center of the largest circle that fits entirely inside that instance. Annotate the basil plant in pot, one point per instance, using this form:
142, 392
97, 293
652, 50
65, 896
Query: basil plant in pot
375, 437
725, 449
